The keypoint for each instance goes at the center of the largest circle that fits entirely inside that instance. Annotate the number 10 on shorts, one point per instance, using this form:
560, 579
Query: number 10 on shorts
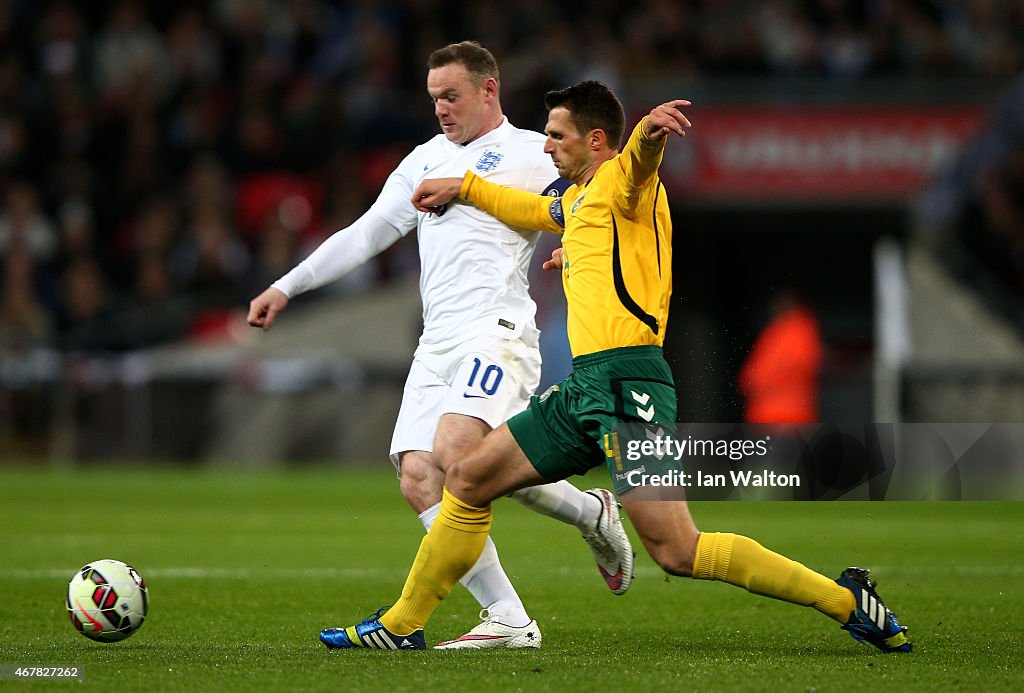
486, 379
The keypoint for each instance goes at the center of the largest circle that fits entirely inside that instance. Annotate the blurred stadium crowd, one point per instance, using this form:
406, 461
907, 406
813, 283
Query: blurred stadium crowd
973, 214
161, 162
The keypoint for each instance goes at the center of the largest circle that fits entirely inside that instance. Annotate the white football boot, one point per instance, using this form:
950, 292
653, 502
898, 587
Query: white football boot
610, 545
492, 633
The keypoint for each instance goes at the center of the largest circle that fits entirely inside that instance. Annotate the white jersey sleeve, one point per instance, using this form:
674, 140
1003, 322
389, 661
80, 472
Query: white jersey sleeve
341, 253
389, 218
394, 204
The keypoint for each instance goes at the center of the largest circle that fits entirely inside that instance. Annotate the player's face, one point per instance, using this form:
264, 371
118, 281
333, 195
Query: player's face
462, 109
570, 151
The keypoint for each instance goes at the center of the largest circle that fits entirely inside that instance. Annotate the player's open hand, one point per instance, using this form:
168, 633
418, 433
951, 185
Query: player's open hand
666, 118
433, 194
265, 307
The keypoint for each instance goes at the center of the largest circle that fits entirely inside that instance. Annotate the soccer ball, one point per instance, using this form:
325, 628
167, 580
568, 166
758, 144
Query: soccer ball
107, 600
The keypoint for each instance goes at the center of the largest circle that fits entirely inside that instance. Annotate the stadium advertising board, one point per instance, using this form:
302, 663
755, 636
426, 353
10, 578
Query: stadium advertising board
869, 154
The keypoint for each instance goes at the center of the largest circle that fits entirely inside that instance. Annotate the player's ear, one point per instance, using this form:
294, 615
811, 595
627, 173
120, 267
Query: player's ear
597, 138
491, 87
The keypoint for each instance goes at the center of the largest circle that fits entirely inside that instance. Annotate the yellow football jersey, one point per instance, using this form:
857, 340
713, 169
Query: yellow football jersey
617, 235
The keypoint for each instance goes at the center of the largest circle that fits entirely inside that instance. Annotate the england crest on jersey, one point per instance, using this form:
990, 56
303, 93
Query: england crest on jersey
488, 161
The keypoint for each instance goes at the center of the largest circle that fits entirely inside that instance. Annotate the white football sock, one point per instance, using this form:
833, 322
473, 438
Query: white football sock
487, 581
562, 501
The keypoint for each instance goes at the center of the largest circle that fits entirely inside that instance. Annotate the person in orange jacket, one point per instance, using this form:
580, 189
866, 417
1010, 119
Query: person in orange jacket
780, 377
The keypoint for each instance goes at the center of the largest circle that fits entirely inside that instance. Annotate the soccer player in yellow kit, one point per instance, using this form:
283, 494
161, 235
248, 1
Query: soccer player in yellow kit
617, 274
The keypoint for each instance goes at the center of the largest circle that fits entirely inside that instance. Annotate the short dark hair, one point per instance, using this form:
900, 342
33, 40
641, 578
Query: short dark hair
477, 60
591, 106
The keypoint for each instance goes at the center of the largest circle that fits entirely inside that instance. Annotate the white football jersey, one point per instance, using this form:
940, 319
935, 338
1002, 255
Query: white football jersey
473, 268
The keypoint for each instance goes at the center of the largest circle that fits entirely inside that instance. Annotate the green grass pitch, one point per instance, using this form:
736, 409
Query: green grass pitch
245, 568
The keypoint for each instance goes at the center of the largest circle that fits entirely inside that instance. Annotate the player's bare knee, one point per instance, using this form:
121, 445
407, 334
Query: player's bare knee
458, 479
464, 480
457, 438
445, 456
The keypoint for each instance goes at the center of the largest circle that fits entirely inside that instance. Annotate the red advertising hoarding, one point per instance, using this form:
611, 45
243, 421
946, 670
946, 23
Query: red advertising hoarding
806, 154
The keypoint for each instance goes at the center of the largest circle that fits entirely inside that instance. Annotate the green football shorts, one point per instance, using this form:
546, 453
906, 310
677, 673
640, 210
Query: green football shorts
573, 426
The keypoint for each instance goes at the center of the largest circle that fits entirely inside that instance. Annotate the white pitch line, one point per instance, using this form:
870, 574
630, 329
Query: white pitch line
197, 573
206, 573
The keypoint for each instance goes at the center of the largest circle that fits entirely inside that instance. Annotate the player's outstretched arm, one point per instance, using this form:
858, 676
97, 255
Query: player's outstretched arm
642, 155
433, 194
666, 118
516, 208
265, 307
343, 251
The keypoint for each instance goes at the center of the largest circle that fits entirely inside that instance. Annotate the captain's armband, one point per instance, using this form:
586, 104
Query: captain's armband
557, 214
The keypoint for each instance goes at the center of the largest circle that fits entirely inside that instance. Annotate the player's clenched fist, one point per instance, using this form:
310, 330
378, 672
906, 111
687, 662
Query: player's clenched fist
265, 307
433, 194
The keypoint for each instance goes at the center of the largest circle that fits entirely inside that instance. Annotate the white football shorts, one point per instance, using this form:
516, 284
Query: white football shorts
487, 377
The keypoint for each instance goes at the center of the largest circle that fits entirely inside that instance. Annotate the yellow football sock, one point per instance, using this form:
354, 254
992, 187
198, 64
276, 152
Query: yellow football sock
743, 562
451, 547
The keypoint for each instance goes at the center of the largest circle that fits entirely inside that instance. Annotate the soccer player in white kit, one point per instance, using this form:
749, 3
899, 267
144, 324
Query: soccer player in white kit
478, 361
